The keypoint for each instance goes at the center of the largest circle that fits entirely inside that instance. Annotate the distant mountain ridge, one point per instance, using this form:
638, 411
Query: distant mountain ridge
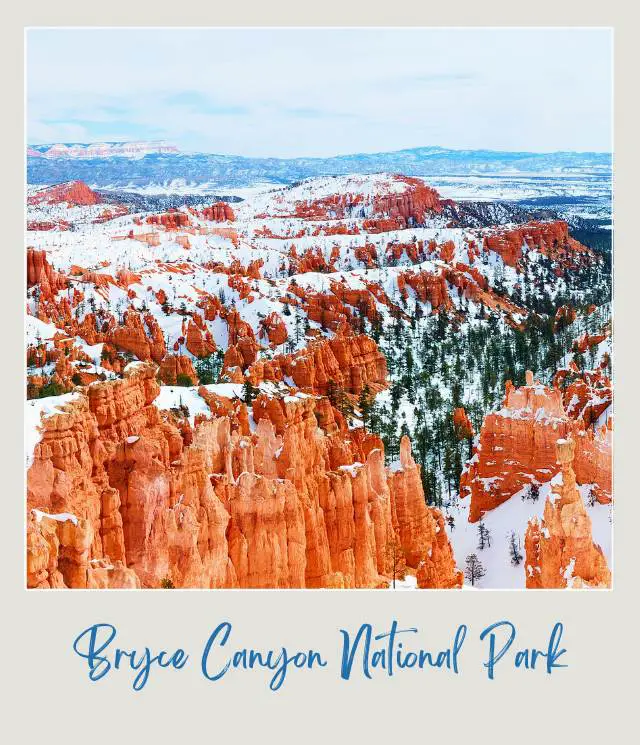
91, 151
109, 168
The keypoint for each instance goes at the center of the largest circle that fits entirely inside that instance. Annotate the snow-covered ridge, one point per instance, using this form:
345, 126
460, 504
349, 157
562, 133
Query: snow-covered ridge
366, 188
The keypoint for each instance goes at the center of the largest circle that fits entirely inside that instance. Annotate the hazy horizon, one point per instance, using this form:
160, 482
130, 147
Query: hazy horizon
322, 157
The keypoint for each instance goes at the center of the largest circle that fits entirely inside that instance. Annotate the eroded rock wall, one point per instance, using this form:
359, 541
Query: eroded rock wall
119, 495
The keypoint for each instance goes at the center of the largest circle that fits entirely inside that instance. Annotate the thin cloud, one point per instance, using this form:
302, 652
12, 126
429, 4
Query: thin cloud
198, 102
308, 112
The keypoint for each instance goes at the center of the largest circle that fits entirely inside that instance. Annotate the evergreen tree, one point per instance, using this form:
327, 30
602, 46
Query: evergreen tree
364, 404
249, 392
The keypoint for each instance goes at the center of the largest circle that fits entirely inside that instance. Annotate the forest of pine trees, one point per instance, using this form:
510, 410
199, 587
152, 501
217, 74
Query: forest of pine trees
437, 363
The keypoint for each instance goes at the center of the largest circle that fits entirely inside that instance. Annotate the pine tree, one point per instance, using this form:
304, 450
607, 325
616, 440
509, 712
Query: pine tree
364, 404
208, 368
249, 392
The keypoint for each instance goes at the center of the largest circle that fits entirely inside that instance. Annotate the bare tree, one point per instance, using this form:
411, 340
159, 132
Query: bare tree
514, 549
474, 569
395, 558
484, 536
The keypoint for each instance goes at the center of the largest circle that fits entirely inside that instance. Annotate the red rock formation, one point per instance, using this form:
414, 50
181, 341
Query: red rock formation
74, 193
413, 205
335, 206
48, 225
349, 361
428, 287
200, 344
473, 285
40, 272
586, 395
312, 260
266, 232
324, 308
517, 447
335, 229
111, 462
391, 211
211, 307
157, 344
110, 214
549, 238
447, 251
593, 461
171, 220
560, 551
243, 348
367, 254
586, 341
125, 277
218, 212
143, 339
289, 505
274, 329
174, 365
383, 224
362, 300
421, 528
241, 287
565, 315
462, 424
345, 307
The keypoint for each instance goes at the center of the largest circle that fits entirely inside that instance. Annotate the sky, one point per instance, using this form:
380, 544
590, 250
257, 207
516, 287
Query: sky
322, 92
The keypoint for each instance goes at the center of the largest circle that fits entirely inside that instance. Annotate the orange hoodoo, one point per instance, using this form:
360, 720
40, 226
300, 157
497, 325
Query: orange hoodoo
119, 495
560, 550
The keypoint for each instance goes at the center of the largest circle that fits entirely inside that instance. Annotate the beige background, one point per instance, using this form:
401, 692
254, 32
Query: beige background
46, 691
